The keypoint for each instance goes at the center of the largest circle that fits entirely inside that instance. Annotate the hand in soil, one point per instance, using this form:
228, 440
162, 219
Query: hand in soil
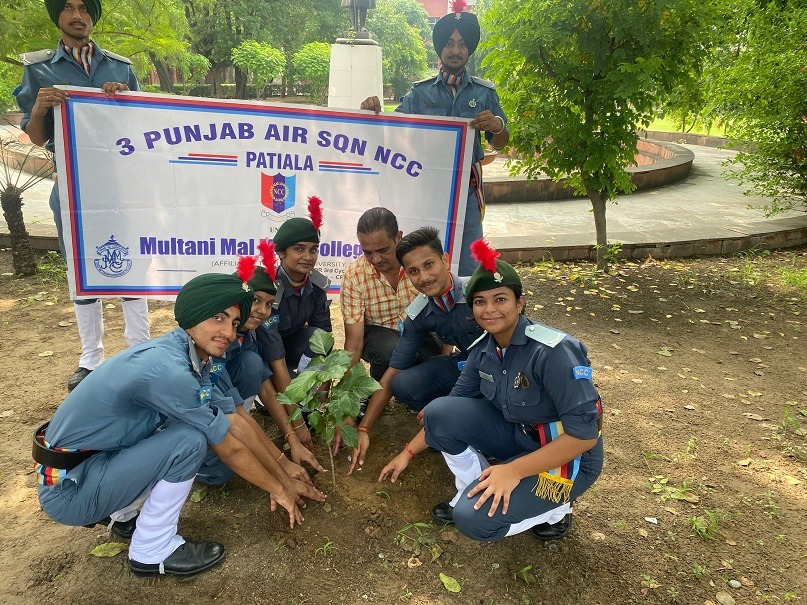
304, 490
300, 453
396, 466
287, 499
357, 457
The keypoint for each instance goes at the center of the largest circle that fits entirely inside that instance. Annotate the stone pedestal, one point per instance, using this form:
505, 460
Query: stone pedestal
355, 72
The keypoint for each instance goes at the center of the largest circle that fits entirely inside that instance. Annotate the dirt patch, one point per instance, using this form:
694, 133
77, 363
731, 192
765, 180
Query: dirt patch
701, 367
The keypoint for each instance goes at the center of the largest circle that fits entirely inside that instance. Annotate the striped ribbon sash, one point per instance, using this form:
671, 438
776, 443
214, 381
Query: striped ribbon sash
554, 485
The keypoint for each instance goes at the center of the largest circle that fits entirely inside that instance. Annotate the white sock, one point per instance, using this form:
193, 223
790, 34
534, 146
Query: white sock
136, 321
156, 535
550, 516
90, 323
466, 466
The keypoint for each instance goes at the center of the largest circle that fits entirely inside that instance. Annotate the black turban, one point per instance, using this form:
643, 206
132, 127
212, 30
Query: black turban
55, 8
466, 23
205, 295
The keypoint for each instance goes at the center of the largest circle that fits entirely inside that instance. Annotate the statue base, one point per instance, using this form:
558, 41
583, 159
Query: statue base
355, 73
357, 40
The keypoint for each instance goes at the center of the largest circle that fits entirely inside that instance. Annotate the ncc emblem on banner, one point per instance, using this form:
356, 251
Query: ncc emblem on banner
277, 192
112, 261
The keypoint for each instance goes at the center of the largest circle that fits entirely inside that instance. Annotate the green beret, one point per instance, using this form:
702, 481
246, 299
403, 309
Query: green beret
55, 8
295, 230
482, 279
205, 295
466, 23
260, 281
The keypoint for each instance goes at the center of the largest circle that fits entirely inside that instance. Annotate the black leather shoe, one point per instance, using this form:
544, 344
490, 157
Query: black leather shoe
120, 529
553, 531
188, 560
77, 376
443, 513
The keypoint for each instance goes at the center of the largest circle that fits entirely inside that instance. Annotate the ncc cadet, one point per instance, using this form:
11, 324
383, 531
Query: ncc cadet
139, 428
77, 61
525, 396
453, 92
302, 291
256, 355
439, 308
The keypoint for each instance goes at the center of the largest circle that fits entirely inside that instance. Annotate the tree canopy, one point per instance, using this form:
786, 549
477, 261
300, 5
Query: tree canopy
579, 76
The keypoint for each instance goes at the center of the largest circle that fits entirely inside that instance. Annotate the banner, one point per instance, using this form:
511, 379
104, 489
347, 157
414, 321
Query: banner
156, 189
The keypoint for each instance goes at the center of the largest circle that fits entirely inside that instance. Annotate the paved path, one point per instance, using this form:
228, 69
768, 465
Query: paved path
705, 207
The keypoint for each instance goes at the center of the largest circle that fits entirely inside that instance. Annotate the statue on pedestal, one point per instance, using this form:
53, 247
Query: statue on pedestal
358, 13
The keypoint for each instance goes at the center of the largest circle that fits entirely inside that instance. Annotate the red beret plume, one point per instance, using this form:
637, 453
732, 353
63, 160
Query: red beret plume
268, 257
459, 5
485, 255
315, 211
246, 269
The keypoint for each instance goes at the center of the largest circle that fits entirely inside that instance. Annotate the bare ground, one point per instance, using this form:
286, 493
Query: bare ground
702, 372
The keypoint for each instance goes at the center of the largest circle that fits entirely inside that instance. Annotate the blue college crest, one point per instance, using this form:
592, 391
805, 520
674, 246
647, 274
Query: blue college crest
112, 261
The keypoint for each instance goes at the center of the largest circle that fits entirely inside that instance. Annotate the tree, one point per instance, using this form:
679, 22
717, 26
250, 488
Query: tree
580, 75
18, 173
758, 87
312, 63
401, 27
260, 60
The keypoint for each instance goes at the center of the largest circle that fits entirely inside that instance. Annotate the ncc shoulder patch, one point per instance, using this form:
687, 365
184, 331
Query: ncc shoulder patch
320, 280
544, 334
416, 306
483, 82
274, 318
37, 56
117, 57
581, 372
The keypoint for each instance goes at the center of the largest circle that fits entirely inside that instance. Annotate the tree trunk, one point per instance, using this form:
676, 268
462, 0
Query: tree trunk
240, 84
598, 205
163, 73
22, 255
216, 73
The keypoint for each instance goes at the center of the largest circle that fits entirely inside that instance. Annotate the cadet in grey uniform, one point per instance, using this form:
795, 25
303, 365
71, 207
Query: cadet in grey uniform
78, 62
139, 428
525, 396
453, 92
440, 308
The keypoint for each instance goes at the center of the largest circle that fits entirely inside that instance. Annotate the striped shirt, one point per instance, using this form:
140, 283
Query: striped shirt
368, 297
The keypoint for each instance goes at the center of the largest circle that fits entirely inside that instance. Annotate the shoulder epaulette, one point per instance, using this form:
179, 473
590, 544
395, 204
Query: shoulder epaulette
279, 287
416, 306
320, 280
543, 334
483, 82
38, 56
117, 57
423, 81
477, 341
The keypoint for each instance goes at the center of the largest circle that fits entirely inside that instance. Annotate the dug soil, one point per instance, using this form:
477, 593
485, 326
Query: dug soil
701, 368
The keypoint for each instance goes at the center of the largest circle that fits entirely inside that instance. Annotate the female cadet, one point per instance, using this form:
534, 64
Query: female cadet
257, 356
526, 397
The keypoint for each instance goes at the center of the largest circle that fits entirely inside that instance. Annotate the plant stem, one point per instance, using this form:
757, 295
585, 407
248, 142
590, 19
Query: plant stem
330, 454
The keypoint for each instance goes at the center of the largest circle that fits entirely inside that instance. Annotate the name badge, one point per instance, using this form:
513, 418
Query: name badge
580, 372
484, 376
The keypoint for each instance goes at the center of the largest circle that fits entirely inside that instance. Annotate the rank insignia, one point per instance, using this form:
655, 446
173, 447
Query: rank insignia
472, 103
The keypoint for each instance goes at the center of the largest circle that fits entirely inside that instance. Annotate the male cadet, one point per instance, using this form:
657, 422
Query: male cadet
375, 294
440, 308
141, 426
453, 92
77, 61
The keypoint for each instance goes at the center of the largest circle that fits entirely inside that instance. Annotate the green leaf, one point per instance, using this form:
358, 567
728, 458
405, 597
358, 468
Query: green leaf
451, 585
350, 435
321, 342
316, 421
330, 432
108, 549
297, 413
199, 494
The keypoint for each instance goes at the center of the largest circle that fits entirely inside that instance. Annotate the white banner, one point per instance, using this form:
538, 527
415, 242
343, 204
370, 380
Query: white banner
156, 189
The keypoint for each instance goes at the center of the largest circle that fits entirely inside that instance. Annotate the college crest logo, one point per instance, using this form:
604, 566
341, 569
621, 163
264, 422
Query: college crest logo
112, 261
277, 192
